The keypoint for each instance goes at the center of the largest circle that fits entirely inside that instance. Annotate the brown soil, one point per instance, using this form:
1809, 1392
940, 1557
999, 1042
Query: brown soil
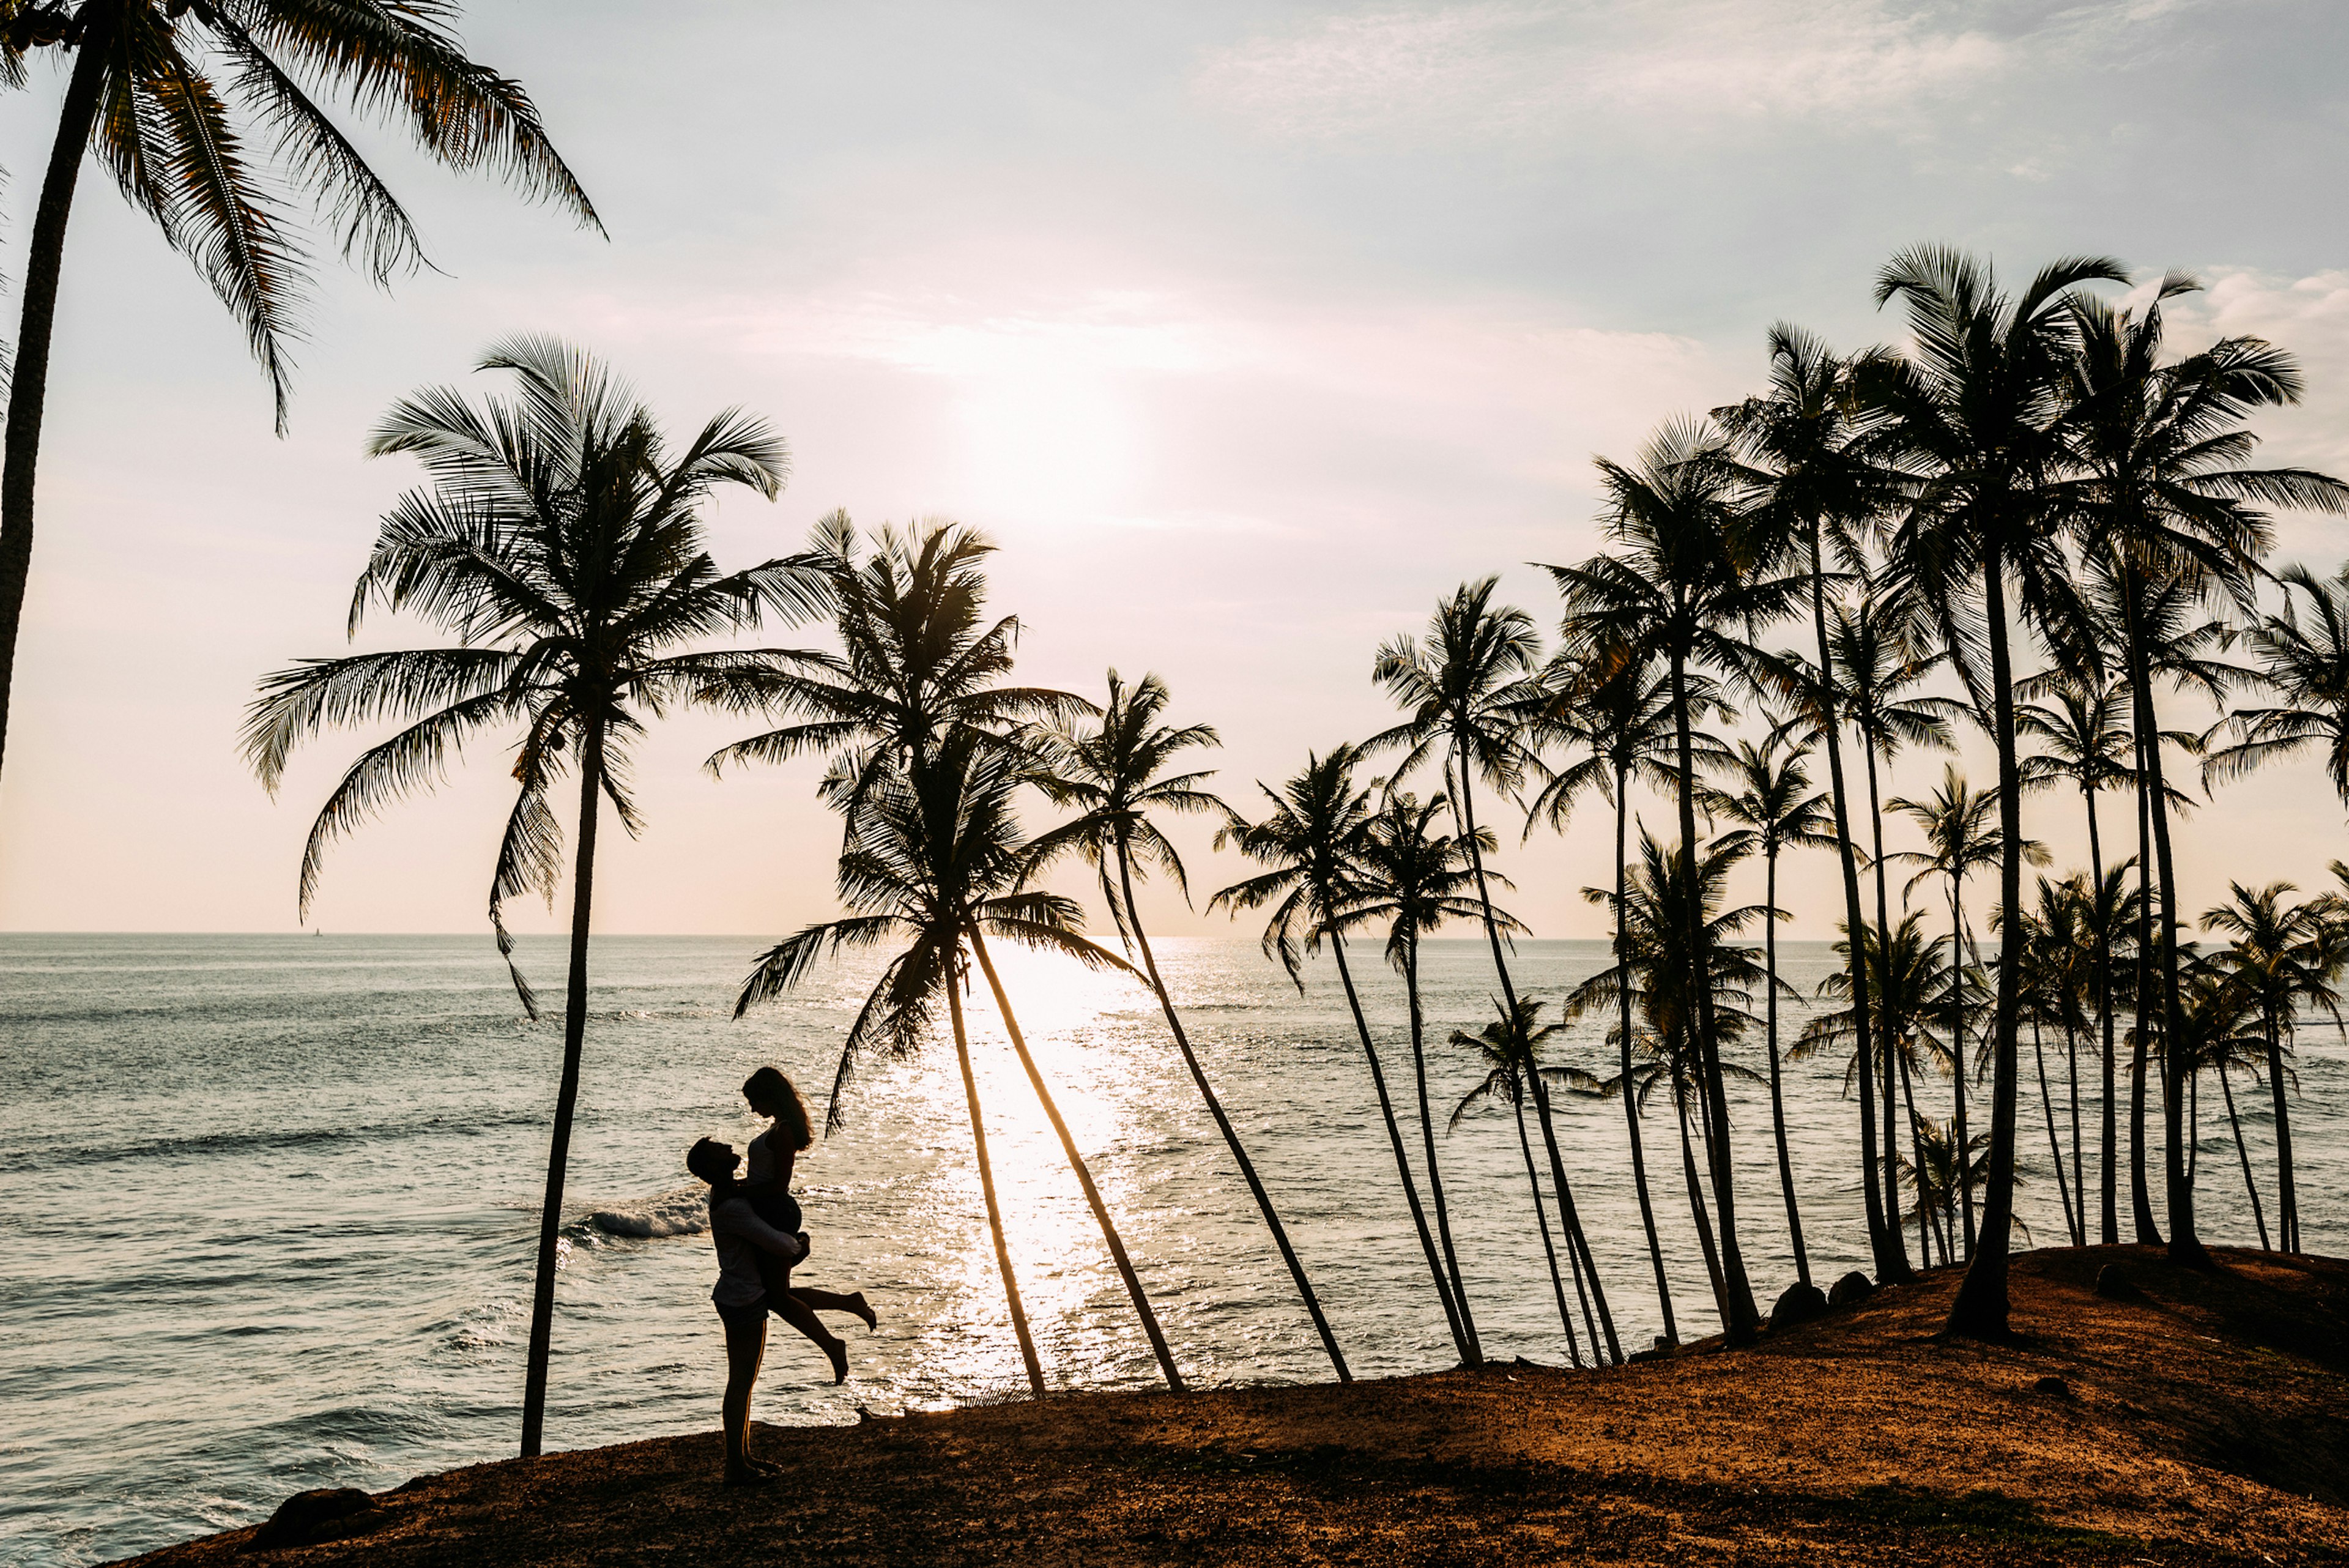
2206, 1422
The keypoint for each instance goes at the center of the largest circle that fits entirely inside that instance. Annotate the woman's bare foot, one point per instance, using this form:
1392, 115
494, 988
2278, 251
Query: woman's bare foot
839, 1353
765, 1466
856, 1304
745, 1475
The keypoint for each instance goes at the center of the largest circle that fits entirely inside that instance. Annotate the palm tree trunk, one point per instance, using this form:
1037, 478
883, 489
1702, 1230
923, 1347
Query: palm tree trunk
2193, 1125
2287, 1201
1697, 1213
1958, 1053
2054, 1149
1403, 1162
986, 1189
1224, 1124
2072, 1071
1475, 1356
1570, 1223
1980, 1308
1076, 1163
1744, 1322
1630, 1101
28, 383
1883, 938
1541, 1221
2108, 1204
1917, 1153
2140, 1047
1884, 1243
2184, 1245
1578, 1251
2259, 1216
1777, 1105
566, 1096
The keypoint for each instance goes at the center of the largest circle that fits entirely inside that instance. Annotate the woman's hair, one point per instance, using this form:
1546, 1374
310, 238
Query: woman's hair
768, 1084
710, 1160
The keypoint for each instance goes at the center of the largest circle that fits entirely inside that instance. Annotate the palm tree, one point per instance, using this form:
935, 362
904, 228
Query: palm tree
562, 547
2058, 957
137, 96
2280, 957
2304, 658
1113, 775
1961, 839
1683, 583
1775, 812
2165, 503
1799, 460
1415, 877
1620, 707
2082, 733
1974, 411
1937, 1176
935, 859
1466, 691
2223, 1037
1510, 1047
1313, 841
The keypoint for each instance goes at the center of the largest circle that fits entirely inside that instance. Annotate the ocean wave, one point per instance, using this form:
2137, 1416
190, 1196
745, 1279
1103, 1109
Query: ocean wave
245, 1140
683, 1212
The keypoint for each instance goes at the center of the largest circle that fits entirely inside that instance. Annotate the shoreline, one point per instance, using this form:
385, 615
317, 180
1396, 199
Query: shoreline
2186, 1418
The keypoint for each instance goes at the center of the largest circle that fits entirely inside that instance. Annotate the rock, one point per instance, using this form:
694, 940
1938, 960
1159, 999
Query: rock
1661, 1353
1853, 1287
1800, 1303
309, 1516
2053, 1385
2115, 1285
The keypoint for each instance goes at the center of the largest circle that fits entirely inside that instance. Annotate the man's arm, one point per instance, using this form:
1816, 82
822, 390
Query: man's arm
735, 1218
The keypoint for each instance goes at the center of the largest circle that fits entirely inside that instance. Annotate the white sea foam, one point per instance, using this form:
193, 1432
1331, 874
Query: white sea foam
684, 1212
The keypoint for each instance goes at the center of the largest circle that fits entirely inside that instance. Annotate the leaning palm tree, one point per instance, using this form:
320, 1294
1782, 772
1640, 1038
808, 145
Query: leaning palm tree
1974, 411
139, 94
1938, 1175
1511, 1048
2225, 1035
2281, 958
1416, 877
561, 546
1684, 582
1113, 775
1800, 462
935, 860
1769, 797
1312, 841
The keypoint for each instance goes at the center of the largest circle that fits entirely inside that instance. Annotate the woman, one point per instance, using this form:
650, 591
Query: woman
739, 1296
772, 1155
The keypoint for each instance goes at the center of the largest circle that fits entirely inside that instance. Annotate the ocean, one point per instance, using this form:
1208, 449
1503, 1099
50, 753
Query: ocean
268, 1204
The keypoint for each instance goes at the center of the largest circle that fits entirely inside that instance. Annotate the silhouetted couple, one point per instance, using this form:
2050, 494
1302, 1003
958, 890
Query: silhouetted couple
755, 1221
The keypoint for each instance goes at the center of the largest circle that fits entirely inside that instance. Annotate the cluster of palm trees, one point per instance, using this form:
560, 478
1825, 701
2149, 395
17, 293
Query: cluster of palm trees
2033, 472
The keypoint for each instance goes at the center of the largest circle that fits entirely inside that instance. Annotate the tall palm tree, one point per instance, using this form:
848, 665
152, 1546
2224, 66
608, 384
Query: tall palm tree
1312, 841
1465, 689
1620, 707
2166, 501
563, 546
2281, 958
1510, 1047
1769, 797
1961, 839
1683, 583
2303, 654
2081, 726
138, 95
2057, 985
1113, 775
1416, 877
936, 858
1800, 463
2224, 1036
1974, 410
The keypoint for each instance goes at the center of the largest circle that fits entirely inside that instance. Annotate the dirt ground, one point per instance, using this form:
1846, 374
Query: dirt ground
2205, 1422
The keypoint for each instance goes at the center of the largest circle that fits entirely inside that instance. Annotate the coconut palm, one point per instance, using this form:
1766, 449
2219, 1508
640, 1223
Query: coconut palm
1974, 410
1769, 797
1113, 775
2281, 958
143, 93
1937, 1176
2058, 986
1415, 877
1961, 839
1510, 1047
1800, 463
1312, 841
936, 859
2303, 654
1683, 583
563, 546
2081, 726
1620, 707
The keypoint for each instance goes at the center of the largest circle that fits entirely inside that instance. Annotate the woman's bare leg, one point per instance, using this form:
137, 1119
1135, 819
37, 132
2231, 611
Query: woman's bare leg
833, 1301
746, 1344
800, 1316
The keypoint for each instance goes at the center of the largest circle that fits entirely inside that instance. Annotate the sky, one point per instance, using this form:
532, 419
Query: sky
1246, 330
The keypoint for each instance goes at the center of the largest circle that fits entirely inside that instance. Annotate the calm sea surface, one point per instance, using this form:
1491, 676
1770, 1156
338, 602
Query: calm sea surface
267, 1204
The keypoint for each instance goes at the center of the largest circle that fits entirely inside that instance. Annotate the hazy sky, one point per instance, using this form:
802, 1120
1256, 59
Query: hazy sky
1246, 329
